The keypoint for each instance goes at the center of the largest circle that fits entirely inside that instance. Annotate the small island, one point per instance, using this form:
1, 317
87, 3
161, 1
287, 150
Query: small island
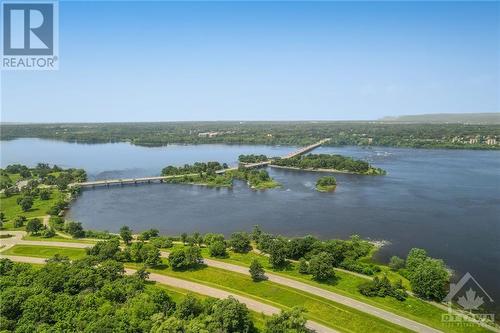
215, 174
328, 163
326, 184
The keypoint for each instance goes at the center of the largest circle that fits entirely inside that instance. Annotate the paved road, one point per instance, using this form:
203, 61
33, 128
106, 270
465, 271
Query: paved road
18, 239
200, 289
372, 310
391, 317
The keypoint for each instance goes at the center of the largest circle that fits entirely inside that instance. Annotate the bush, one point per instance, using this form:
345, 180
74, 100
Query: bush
396, 263
33, 226
75, 229
303, 266
161, 242
48, 233
217, 249
44, 194
383, 287
19, 221
257, 271
240, 242
185, 258
321, 267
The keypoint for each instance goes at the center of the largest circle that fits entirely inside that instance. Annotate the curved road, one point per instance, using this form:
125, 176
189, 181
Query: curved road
358, 305
200, 289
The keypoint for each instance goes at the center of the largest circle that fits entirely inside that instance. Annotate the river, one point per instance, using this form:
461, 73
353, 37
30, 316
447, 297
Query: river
446, 201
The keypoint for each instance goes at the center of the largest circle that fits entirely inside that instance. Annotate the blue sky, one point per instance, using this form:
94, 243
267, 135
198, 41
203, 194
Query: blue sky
167, 61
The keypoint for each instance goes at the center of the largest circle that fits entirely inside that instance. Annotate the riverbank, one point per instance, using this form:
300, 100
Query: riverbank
318, 170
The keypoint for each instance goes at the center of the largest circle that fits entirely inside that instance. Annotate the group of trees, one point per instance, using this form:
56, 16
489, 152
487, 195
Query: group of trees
383, 287
94, 295
428, 276
252, 158
196, 168
327, 161
43, 173
336, 252
185, 258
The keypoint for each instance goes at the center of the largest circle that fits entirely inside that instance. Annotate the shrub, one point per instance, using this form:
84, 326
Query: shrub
321, 267
217, 249
257, 271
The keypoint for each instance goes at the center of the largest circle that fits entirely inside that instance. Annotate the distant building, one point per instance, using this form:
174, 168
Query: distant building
269, 135
370, 141
208, 134
491, 141
473, 141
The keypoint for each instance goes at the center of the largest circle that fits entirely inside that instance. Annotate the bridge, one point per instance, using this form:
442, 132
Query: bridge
161, 179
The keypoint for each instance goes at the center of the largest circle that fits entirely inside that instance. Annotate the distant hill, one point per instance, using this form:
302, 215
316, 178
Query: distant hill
465, 118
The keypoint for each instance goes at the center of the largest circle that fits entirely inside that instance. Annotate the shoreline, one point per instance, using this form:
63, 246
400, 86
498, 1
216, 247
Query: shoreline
318, 170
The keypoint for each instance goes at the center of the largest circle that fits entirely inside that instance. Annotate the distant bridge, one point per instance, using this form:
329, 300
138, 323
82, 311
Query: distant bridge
161, 179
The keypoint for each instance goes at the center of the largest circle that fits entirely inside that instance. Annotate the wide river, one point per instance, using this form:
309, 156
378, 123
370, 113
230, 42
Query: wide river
446, 201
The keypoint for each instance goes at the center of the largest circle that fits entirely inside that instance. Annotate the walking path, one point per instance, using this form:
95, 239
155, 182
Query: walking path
358, 305
199, 289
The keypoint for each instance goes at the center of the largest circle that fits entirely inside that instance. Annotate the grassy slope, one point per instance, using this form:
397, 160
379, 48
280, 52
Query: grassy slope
58, 238
320, 310
346, 284
44, 251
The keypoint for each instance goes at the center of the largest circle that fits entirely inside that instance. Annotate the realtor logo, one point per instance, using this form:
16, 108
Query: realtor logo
472, 298
29, 31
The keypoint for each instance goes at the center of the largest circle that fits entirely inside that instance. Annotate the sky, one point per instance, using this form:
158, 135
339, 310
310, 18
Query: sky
176, 61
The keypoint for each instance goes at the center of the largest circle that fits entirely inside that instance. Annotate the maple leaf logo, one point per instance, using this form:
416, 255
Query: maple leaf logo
470, 301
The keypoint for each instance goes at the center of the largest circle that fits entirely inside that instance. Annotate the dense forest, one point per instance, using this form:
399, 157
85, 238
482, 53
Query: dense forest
327, 161
464, 136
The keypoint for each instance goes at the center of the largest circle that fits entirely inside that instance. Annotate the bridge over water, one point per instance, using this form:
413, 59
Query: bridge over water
161, 179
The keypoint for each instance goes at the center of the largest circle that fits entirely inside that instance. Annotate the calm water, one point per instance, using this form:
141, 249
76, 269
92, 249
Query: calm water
446, 201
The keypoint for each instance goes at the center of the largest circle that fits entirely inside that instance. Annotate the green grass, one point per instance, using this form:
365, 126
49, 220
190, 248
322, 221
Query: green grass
9, 206
44, 251
347, 285
178, 294
326, 188
58, 238
319, 309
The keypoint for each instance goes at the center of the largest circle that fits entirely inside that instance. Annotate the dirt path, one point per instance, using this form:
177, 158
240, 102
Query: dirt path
200, 289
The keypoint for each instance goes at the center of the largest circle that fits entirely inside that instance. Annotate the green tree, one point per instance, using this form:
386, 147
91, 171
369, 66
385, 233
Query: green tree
396, 263
429, 279
277, 253
19, 221
217, 249
240, 242
33, 226
257, 271
177, 259
75, 229
126, 234
44, 194
321, 267
303, 266
230, 316
289, 321
415, 257
184, 237
26, 203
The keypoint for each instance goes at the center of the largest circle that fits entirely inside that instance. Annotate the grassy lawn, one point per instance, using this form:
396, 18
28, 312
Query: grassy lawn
44, 251
320, 310
58, 238
9, 206
347, 284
